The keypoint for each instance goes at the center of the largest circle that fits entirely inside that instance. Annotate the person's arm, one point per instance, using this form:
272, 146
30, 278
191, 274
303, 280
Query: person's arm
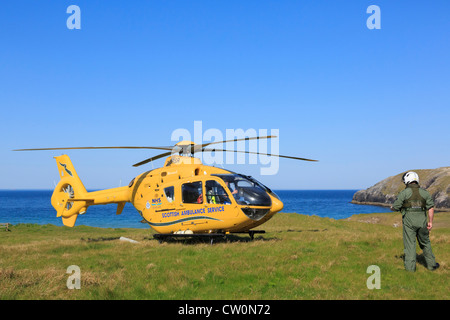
430, 207
398, 203
430, 218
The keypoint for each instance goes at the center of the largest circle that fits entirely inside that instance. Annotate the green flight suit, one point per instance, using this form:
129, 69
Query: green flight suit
414, 203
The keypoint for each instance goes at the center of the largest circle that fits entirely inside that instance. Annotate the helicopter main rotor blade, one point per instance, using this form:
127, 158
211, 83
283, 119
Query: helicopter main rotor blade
162, 155
193, 148
173, 149
75, 148
198, 148
265, 154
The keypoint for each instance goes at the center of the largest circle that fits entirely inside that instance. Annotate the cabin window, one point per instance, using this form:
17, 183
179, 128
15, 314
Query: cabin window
215, 193
192, 192
170, 194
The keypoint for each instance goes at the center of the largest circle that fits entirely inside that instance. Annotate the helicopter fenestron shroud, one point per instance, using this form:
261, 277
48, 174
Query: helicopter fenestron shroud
70, 198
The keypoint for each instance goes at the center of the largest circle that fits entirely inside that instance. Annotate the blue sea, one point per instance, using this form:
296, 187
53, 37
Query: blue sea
32, 206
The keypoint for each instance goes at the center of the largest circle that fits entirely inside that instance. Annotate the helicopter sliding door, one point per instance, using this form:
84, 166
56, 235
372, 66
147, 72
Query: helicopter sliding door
192, 210
192, 193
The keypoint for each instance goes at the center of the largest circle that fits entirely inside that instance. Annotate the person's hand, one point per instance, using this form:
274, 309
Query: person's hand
429, 225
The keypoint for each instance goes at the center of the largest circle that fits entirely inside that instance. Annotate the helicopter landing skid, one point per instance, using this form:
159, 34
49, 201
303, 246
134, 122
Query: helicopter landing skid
202, 236
251, 233
172, 236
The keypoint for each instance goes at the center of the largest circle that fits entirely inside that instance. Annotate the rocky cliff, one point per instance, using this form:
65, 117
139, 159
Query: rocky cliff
384, 193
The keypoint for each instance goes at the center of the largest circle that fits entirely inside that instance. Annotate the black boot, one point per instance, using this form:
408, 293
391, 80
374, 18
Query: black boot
436, 266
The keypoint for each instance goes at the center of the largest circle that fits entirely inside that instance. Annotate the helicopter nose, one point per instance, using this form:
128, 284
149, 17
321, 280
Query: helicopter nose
277, 205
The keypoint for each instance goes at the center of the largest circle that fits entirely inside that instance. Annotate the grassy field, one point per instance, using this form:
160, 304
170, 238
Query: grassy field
299, 257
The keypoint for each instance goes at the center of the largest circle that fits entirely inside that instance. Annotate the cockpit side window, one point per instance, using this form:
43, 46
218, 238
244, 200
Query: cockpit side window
215, 193
246, 190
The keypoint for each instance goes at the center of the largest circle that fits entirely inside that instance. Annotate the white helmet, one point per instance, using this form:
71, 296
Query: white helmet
409, 177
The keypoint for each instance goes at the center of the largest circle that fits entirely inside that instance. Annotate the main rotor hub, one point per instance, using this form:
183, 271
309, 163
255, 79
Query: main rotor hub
185, 147
185, 143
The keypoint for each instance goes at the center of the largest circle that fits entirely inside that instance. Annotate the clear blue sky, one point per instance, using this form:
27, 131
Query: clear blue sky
367, 103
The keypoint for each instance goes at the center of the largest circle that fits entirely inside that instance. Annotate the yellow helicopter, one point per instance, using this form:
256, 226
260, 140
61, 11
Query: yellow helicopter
182, 198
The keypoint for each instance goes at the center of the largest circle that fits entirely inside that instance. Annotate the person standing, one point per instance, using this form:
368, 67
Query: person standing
414, 203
